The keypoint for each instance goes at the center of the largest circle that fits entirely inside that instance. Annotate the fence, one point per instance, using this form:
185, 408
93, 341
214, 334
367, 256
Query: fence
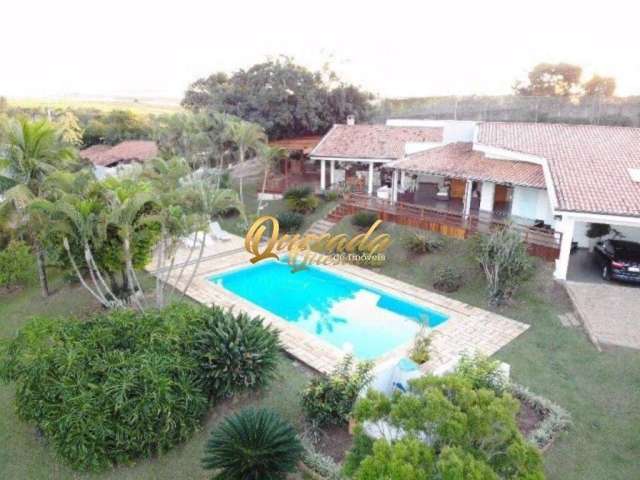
594, 110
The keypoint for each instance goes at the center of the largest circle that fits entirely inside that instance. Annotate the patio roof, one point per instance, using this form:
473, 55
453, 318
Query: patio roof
127, 151
459, 160
373, 142
304, 144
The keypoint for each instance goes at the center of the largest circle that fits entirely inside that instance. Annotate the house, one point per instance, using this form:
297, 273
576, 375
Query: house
109, 160
550, 180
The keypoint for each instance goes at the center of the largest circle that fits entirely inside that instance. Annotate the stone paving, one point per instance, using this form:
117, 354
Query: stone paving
609, 310
467, 329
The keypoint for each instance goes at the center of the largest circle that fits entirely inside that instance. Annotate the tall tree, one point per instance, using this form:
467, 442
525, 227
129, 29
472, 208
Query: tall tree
269, 156
248, 138
551, 79
70, 128
285, 98
33, 151
599, 86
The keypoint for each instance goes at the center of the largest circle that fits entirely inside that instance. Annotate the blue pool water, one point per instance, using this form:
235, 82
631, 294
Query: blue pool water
347, 314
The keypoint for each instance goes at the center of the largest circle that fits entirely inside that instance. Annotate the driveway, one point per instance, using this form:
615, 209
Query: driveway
610, 311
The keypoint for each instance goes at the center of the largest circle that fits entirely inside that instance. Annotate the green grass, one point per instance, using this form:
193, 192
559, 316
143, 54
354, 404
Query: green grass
140, 107
601, 390
23, 455
251, 188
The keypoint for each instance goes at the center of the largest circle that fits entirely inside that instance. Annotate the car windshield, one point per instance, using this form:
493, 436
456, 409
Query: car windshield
626, 247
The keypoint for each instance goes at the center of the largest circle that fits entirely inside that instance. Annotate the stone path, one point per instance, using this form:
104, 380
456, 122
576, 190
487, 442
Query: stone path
320, 227
610, 312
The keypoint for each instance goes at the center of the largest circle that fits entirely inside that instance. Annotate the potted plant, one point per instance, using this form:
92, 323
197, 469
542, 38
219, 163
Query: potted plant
595, 232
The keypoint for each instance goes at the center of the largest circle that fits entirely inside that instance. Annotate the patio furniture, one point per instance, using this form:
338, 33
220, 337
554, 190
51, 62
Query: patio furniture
217, 233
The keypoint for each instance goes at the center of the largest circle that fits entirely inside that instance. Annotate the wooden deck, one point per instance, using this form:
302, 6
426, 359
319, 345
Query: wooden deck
541, 242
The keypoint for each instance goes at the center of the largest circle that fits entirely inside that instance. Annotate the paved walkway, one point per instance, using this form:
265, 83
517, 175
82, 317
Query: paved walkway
467, 329
610, 311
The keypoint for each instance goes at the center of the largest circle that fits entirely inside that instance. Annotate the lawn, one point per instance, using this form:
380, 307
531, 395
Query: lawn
143, 107
25, 456
251, 188
601, 390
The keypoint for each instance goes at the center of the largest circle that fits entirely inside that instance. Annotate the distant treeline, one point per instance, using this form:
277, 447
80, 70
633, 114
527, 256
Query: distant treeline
621, 111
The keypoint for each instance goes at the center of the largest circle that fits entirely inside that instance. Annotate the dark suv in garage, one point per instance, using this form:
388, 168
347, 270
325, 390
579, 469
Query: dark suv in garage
619, 260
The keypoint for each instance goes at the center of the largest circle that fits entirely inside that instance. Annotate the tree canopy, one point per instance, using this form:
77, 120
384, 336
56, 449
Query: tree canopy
451, 430
553, 80
286, 99
563, 80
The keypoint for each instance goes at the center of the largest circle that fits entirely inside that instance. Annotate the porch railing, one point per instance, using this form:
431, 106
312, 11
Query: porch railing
542, 242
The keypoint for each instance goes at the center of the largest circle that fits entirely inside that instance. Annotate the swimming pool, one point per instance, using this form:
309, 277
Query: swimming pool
345, 313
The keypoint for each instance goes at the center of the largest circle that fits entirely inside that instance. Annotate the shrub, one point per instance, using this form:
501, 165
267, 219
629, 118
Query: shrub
109, 390
364, 219
16, 264
420, 243
330, 399
482, 372
447, 279
234, 352
332, 195
598, 230
252, 445
469, 433
421, 345
290, 221
555, 418
503, 257
301, 199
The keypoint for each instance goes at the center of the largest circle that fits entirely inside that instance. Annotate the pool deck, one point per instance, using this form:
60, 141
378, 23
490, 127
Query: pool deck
468, 328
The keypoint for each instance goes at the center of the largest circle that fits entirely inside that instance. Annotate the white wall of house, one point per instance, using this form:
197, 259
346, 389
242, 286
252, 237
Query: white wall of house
580, 233
531, 203
487, 196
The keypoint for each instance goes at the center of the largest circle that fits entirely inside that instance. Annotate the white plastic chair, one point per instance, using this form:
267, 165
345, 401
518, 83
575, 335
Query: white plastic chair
218, 233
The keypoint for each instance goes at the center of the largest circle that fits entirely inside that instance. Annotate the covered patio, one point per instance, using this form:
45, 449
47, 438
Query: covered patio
454, 178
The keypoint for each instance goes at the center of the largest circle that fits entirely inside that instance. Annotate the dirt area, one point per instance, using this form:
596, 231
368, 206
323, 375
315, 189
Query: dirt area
335, 442
528, 418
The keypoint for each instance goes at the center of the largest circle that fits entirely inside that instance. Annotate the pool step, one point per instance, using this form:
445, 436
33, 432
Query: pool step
320, 227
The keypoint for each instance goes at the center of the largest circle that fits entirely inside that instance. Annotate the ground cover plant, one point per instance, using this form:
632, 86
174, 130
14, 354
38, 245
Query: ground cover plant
126, 385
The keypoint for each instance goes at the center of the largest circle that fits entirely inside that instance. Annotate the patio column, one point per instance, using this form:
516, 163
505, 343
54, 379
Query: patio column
402, 179
332, 173
466, 207
394, 186
323, 175
567, 227
370, 185
487, 197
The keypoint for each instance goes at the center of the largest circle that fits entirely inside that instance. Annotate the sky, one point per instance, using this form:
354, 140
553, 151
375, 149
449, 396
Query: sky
394, 48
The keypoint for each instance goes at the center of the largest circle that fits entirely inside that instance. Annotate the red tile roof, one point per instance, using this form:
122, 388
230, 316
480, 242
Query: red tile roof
459, 160
588, 163
127, 151
372, 141
304, 144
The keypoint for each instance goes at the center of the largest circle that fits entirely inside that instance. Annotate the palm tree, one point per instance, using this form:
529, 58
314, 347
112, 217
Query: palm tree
247, 136
33, 151
269, 156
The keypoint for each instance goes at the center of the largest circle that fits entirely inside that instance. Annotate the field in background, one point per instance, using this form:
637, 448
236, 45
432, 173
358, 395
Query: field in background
142, 106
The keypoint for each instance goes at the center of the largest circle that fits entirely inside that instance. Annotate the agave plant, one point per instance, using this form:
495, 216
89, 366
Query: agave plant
252, 445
